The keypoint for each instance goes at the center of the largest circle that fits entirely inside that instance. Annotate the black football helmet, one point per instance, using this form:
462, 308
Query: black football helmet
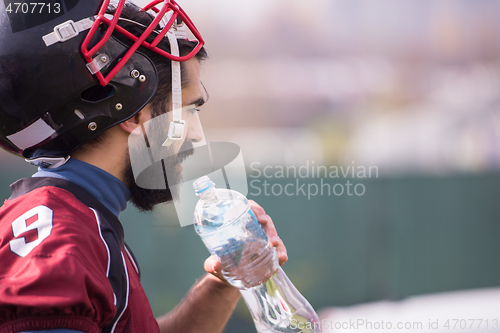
65, 78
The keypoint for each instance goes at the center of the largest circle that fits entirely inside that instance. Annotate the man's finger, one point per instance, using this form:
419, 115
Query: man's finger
267, 224
213, 266
259, 212
275, 240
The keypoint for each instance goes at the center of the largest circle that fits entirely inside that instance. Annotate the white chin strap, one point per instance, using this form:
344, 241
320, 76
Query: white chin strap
176, 128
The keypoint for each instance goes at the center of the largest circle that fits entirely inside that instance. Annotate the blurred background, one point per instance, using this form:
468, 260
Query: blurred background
408, 89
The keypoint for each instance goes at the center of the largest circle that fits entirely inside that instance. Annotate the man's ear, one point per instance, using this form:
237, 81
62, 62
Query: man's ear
133, 123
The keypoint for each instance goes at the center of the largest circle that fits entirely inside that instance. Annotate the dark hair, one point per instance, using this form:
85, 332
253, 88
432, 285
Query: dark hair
163, 65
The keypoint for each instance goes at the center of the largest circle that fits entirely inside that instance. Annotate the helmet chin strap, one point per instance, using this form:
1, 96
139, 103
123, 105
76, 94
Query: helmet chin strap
176, 128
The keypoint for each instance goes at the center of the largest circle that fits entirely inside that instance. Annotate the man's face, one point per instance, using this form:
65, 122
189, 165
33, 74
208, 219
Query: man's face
146, 197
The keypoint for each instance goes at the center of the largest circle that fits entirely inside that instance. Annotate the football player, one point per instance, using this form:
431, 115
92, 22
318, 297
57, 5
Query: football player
78, 79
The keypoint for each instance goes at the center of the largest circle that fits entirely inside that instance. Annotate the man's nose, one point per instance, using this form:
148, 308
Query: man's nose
194, 129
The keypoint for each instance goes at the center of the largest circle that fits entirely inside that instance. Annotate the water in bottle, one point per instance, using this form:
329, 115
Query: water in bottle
224, 220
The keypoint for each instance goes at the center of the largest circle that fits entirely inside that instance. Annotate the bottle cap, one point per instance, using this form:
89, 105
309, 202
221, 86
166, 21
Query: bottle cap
202, 184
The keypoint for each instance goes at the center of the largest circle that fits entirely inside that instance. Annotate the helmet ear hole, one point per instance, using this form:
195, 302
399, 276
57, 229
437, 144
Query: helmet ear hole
97, 93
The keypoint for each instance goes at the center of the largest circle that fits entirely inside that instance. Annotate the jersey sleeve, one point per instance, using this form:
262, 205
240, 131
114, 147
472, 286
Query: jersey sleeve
54, 265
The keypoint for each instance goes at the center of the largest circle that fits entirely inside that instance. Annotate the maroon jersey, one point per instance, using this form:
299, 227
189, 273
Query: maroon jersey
64, 263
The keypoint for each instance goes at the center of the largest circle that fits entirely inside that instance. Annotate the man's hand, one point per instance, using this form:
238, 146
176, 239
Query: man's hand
212, 299
213, 266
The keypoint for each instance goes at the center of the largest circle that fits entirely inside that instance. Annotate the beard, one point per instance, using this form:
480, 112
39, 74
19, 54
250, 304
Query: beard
145, 199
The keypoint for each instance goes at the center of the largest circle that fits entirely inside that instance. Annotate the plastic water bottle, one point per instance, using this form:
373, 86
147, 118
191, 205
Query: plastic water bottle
228, 227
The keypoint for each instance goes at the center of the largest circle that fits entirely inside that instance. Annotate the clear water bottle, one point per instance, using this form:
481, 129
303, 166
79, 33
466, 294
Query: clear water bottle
228, 227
